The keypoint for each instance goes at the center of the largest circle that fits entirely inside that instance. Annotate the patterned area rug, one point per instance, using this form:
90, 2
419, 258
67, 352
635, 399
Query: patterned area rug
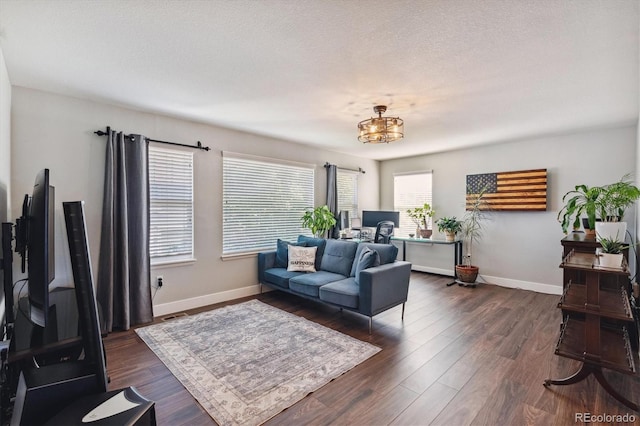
245, 363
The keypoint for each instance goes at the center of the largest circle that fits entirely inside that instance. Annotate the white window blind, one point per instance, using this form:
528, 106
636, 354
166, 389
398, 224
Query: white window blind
411, 190
171, 205
348, 191
263, 200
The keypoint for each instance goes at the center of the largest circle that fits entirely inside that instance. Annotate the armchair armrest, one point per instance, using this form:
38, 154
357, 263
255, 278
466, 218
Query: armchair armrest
383, 287
266, 260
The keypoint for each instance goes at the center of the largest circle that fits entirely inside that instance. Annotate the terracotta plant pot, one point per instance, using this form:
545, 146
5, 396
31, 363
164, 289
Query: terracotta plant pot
467, 274
425, 233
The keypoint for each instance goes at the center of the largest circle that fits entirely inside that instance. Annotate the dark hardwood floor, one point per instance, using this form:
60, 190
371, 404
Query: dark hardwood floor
461, 356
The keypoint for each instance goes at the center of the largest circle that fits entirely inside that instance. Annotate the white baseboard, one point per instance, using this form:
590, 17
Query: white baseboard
439, 271
209, 299
524, 285
503, 282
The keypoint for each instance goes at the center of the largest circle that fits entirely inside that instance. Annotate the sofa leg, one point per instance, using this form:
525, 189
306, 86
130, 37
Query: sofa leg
402, 311
370, 324
261, 290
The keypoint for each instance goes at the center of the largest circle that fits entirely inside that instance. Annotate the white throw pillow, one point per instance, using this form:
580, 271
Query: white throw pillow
302, 259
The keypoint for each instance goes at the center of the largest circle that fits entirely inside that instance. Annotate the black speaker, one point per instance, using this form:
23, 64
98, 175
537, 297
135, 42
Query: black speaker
43, 392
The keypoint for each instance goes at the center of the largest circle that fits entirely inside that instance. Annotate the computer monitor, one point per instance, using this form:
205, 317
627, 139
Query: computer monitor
371, 218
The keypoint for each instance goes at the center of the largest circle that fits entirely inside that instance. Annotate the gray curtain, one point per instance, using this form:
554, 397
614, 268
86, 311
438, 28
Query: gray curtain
332, 197
124, 272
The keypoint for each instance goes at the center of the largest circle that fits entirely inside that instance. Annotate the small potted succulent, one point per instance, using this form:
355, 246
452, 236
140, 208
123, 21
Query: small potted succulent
450, 226
611, 252
419, 216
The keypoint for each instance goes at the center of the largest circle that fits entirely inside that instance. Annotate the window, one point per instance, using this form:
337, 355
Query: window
171, 205
263, 199
411, 190
348, 191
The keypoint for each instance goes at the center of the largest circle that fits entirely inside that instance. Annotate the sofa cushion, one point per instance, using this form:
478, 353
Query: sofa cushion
368, 258
338, 256
280, 276
309, 284
344, 293
314, 242
387, 252
282, 252
302, 259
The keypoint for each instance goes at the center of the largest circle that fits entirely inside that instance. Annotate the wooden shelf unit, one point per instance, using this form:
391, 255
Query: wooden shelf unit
597, 317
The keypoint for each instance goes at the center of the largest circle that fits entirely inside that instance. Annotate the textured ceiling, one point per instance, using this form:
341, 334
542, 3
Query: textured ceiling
459, 72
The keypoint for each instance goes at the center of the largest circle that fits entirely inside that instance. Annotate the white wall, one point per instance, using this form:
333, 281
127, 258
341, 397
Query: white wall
522, 249
57, 132
5, 152
5, 140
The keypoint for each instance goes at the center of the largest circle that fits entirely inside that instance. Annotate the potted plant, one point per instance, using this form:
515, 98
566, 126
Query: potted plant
319, 220
471, 231
611, 252
419, 216
450, 226
581, 200
614, 200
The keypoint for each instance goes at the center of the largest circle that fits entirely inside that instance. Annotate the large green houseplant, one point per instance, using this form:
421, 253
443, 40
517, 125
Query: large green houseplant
616, 198
419, 216
582, 200
471, 231
319, 220
613, 202
601, 204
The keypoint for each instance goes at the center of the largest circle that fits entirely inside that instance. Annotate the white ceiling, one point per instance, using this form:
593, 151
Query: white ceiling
459, 72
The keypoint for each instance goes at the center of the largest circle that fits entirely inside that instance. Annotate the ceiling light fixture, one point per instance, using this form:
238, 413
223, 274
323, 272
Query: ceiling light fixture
381, 129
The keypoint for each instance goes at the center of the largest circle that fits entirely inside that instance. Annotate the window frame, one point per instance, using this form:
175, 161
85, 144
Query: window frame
292, 178
173, 155
407, 226
353, 175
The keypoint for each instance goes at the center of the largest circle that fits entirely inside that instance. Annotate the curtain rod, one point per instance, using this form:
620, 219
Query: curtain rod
359, 169
198, 146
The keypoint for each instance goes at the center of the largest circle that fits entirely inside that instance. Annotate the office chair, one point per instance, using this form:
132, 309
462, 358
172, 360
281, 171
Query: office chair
384, 231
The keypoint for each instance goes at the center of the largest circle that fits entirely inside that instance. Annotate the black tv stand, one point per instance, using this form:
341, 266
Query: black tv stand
59, 342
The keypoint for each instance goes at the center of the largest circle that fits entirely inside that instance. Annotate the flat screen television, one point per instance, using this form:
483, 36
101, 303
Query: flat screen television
370, 218
40, 244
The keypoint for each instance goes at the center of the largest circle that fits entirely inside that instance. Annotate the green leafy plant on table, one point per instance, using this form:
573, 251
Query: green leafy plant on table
419, 216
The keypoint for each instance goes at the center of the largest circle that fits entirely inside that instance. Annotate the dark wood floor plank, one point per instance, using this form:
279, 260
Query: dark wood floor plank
475, 393
426, 407
461, 356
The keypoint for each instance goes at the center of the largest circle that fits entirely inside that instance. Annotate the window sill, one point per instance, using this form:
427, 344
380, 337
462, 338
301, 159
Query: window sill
172, 263
235, 256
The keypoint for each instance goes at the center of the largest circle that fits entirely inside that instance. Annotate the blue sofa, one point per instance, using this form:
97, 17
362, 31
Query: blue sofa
338, 280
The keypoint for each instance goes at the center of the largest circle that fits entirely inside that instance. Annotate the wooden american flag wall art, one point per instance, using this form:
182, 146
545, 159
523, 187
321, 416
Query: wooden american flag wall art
524, 190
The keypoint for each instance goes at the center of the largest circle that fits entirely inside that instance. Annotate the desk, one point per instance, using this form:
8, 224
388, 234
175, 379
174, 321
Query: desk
457, 250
